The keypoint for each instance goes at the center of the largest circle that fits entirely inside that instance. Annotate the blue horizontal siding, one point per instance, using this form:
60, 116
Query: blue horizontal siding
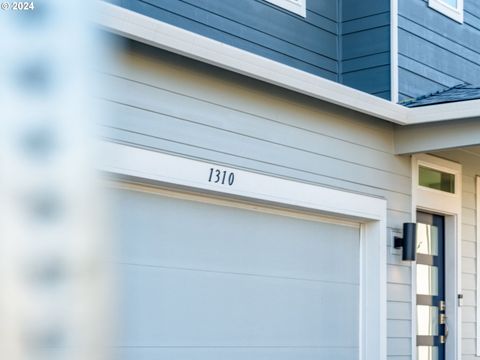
369, 22
413, 85
383, 94
253, 14
466, 44
366, 62
354, 37
427, 71
366, 42
328, 9
366, 46
350, 44
372, 80
444, 59
354, 9
472, 14
436, 52
307, 44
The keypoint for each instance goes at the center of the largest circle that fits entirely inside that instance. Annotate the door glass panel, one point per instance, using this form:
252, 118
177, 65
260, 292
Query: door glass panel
427, 239
427, 353
427, 320
427, 280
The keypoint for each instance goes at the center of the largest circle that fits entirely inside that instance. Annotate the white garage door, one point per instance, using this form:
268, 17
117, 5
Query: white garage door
202, 280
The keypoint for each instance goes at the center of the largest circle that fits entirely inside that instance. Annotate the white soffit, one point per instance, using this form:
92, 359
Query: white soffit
156, 33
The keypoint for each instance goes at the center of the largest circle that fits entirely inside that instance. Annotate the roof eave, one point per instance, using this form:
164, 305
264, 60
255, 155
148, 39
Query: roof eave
156, 33
442, 112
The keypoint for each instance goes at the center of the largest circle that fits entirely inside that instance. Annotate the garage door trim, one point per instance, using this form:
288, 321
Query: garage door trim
175, 171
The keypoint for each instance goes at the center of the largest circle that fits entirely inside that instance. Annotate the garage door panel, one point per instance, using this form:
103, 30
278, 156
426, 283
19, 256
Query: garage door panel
185, 234
235, 353
170, 307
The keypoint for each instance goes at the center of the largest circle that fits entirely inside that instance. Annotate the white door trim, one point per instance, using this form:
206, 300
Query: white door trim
178, 172
449, 205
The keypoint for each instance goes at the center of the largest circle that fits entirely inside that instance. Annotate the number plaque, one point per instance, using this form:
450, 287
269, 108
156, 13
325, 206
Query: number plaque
223, 177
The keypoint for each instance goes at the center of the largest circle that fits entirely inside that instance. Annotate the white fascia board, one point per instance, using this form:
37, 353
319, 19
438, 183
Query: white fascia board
442, 112
428, 137
165, 36
156, 33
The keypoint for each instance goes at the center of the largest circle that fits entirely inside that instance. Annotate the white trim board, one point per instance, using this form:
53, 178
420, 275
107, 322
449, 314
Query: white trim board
180, 171
394, 51
195, 176
171, 38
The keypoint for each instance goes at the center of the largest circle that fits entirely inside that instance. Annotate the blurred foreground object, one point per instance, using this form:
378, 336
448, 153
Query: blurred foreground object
53, 275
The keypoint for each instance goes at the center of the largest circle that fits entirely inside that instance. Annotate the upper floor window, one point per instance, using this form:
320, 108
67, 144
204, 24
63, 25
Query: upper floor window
296, 6
450, 8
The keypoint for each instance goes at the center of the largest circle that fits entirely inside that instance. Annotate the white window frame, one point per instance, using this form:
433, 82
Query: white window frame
175, 172
448, 10
298, 7
449, 205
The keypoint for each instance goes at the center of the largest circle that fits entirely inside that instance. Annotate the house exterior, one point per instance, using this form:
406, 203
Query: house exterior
262, 169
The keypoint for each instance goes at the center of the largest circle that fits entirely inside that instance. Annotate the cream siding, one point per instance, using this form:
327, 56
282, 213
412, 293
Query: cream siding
167, 103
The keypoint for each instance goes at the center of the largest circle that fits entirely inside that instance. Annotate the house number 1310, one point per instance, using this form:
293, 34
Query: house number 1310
221, 177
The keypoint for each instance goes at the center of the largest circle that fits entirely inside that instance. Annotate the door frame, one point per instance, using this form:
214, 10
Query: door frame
174, 172
450, 206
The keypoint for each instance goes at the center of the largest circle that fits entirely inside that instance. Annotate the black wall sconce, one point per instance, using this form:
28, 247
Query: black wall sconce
408, 242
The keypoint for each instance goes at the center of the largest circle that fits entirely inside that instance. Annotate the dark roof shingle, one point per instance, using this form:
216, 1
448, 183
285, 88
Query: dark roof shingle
456, 93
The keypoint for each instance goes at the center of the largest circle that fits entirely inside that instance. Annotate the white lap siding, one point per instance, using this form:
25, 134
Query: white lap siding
167, 103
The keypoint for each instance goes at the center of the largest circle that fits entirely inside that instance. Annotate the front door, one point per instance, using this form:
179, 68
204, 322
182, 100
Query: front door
432, 330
